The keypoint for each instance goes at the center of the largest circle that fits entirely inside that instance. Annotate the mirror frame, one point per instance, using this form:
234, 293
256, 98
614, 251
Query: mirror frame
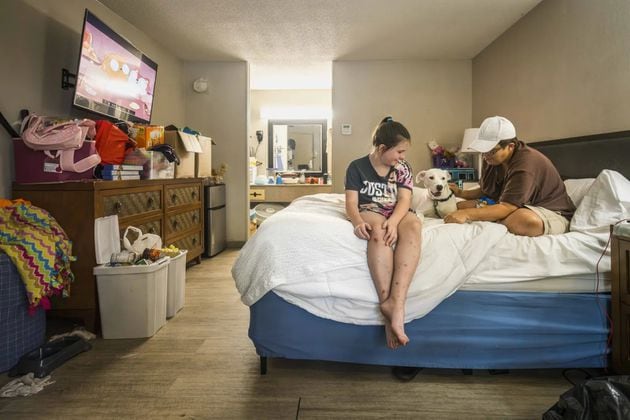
323, 123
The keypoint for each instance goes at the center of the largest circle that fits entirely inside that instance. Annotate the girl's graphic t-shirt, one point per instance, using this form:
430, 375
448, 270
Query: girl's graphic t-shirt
377, 193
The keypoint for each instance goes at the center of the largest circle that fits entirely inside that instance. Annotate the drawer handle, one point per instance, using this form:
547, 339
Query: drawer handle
175, 224
194, 241
117, 207
150, 202
173, 198
152, 229
194, 218
194, 195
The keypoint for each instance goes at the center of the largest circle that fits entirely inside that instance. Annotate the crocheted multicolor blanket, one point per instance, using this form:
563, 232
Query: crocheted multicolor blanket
39, 249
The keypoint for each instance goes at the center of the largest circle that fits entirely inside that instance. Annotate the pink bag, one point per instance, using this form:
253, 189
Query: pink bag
60, 140
40, 135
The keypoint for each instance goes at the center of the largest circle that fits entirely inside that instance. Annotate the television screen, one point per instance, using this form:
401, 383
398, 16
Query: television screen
114, 78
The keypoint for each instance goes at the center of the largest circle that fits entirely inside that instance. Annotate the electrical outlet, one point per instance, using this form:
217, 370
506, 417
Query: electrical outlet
346, 129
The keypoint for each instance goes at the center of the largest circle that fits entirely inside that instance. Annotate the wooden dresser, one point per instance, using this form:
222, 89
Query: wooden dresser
620, 296
171, 208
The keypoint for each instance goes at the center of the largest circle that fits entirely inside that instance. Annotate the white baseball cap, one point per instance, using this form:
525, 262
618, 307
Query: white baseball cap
491, 132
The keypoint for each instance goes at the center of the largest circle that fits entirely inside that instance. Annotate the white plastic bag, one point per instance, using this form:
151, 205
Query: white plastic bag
144, 241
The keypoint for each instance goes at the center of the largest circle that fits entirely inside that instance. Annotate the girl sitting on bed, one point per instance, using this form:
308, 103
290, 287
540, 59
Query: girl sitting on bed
378, 203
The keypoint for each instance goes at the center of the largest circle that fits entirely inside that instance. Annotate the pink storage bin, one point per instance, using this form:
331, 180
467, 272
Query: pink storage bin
29, 164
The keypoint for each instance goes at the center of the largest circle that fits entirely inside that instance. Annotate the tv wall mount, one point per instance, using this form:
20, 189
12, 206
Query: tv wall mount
68, 80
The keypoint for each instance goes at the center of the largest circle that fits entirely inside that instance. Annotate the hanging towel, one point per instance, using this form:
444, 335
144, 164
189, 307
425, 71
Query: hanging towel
40, 250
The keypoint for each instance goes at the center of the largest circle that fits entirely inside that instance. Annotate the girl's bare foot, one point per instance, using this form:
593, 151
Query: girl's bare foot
392, 341
395, 316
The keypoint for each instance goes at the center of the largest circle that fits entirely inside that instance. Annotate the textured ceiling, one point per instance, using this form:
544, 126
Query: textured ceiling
303, 36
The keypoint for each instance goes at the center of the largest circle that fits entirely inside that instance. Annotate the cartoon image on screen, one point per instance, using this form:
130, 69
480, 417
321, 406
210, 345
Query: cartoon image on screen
114, 78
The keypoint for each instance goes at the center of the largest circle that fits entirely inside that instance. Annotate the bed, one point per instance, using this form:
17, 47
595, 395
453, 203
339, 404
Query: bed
481, 298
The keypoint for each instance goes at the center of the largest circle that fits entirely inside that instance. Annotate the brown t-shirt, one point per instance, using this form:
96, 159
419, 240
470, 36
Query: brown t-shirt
530, 178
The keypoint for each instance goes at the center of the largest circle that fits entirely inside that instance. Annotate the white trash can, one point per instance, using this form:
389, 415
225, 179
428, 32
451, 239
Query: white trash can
132, 299
176, 293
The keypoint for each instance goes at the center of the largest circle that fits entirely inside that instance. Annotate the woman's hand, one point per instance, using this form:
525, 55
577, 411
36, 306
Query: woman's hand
391, 232
362, 230
456, 190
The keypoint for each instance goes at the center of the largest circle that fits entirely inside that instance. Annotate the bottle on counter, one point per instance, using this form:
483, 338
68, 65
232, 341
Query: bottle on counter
302, 179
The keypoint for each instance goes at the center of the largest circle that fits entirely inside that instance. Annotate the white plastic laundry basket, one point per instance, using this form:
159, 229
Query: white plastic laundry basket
176, 293
132, 299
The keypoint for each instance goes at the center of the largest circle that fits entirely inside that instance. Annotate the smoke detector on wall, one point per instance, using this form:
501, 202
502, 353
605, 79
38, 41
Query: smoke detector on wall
200, 85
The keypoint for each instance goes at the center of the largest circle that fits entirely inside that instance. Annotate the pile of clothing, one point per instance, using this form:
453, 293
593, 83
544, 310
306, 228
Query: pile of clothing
39, 248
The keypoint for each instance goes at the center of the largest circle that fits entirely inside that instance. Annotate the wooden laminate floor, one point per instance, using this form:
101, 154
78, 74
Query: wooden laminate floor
201, 364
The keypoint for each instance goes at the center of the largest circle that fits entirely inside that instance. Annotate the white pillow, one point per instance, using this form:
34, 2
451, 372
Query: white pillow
577, 188
606, 202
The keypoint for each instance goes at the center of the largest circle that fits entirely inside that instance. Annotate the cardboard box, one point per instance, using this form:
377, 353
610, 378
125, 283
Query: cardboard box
203, 161
149, 135
186, 147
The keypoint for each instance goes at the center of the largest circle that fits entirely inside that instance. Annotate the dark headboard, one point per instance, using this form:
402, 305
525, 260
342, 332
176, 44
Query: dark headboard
585, 157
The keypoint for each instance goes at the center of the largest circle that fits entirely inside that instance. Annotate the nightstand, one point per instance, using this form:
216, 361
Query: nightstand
620, 296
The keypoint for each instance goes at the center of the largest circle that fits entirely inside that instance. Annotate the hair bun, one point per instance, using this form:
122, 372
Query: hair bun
387, 119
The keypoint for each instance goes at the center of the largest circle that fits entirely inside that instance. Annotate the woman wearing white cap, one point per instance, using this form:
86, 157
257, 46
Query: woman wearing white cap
519, 186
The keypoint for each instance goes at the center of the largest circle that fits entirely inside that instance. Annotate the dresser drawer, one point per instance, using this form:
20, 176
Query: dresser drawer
181, 222
181, 195
127, 204
151, 226
190, 242
624, 339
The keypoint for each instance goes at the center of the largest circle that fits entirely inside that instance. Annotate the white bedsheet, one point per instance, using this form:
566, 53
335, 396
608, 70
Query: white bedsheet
308, 255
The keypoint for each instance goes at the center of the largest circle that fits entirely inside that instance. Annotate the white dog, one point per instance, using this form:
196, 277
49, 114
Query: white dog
441, 200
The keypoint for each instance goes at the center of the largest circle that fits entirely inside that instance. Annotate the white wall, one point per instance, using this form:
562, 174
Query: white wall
561, 71
221, 113
39, 38
433, 99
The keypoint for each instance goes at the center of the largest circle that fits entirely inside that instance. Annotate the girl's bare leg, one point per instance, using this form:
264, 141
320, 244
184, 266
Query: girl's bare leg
406, 257
380, 259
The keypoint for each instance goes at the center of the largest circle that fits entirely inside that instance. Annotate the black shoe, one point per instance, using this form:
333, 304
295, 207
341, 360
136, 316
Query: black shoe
405, 373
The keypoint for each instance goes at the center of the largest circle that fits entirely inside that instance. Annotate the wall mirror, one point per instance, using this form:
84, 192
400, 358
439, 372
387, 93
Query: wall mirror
296, 145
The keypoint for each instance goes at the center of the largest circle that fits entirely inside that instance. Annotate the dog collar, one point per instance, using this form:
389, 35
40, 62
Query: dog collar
443, 199
436, 201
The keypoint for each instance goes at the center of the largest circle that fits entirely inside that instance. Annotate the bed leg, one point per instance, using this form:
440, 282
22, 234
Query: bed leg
263, 365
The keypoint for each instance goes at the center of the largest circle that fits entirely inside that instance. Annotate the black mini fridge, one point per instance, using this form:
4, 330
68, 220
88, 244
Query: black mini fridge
215, 224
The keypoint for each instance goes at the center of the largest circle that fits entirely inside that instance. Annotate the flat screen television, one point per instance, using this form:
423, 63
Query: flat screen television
114, 78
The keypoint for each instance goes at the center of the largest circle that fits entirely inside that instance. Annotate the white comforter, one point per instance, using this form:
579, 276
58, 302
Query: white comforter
308, 255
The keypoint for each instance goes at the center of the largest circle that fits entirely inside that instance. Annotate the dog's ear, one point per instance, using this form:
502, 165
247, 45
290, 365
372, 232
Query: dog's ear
448, 176
420, 177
